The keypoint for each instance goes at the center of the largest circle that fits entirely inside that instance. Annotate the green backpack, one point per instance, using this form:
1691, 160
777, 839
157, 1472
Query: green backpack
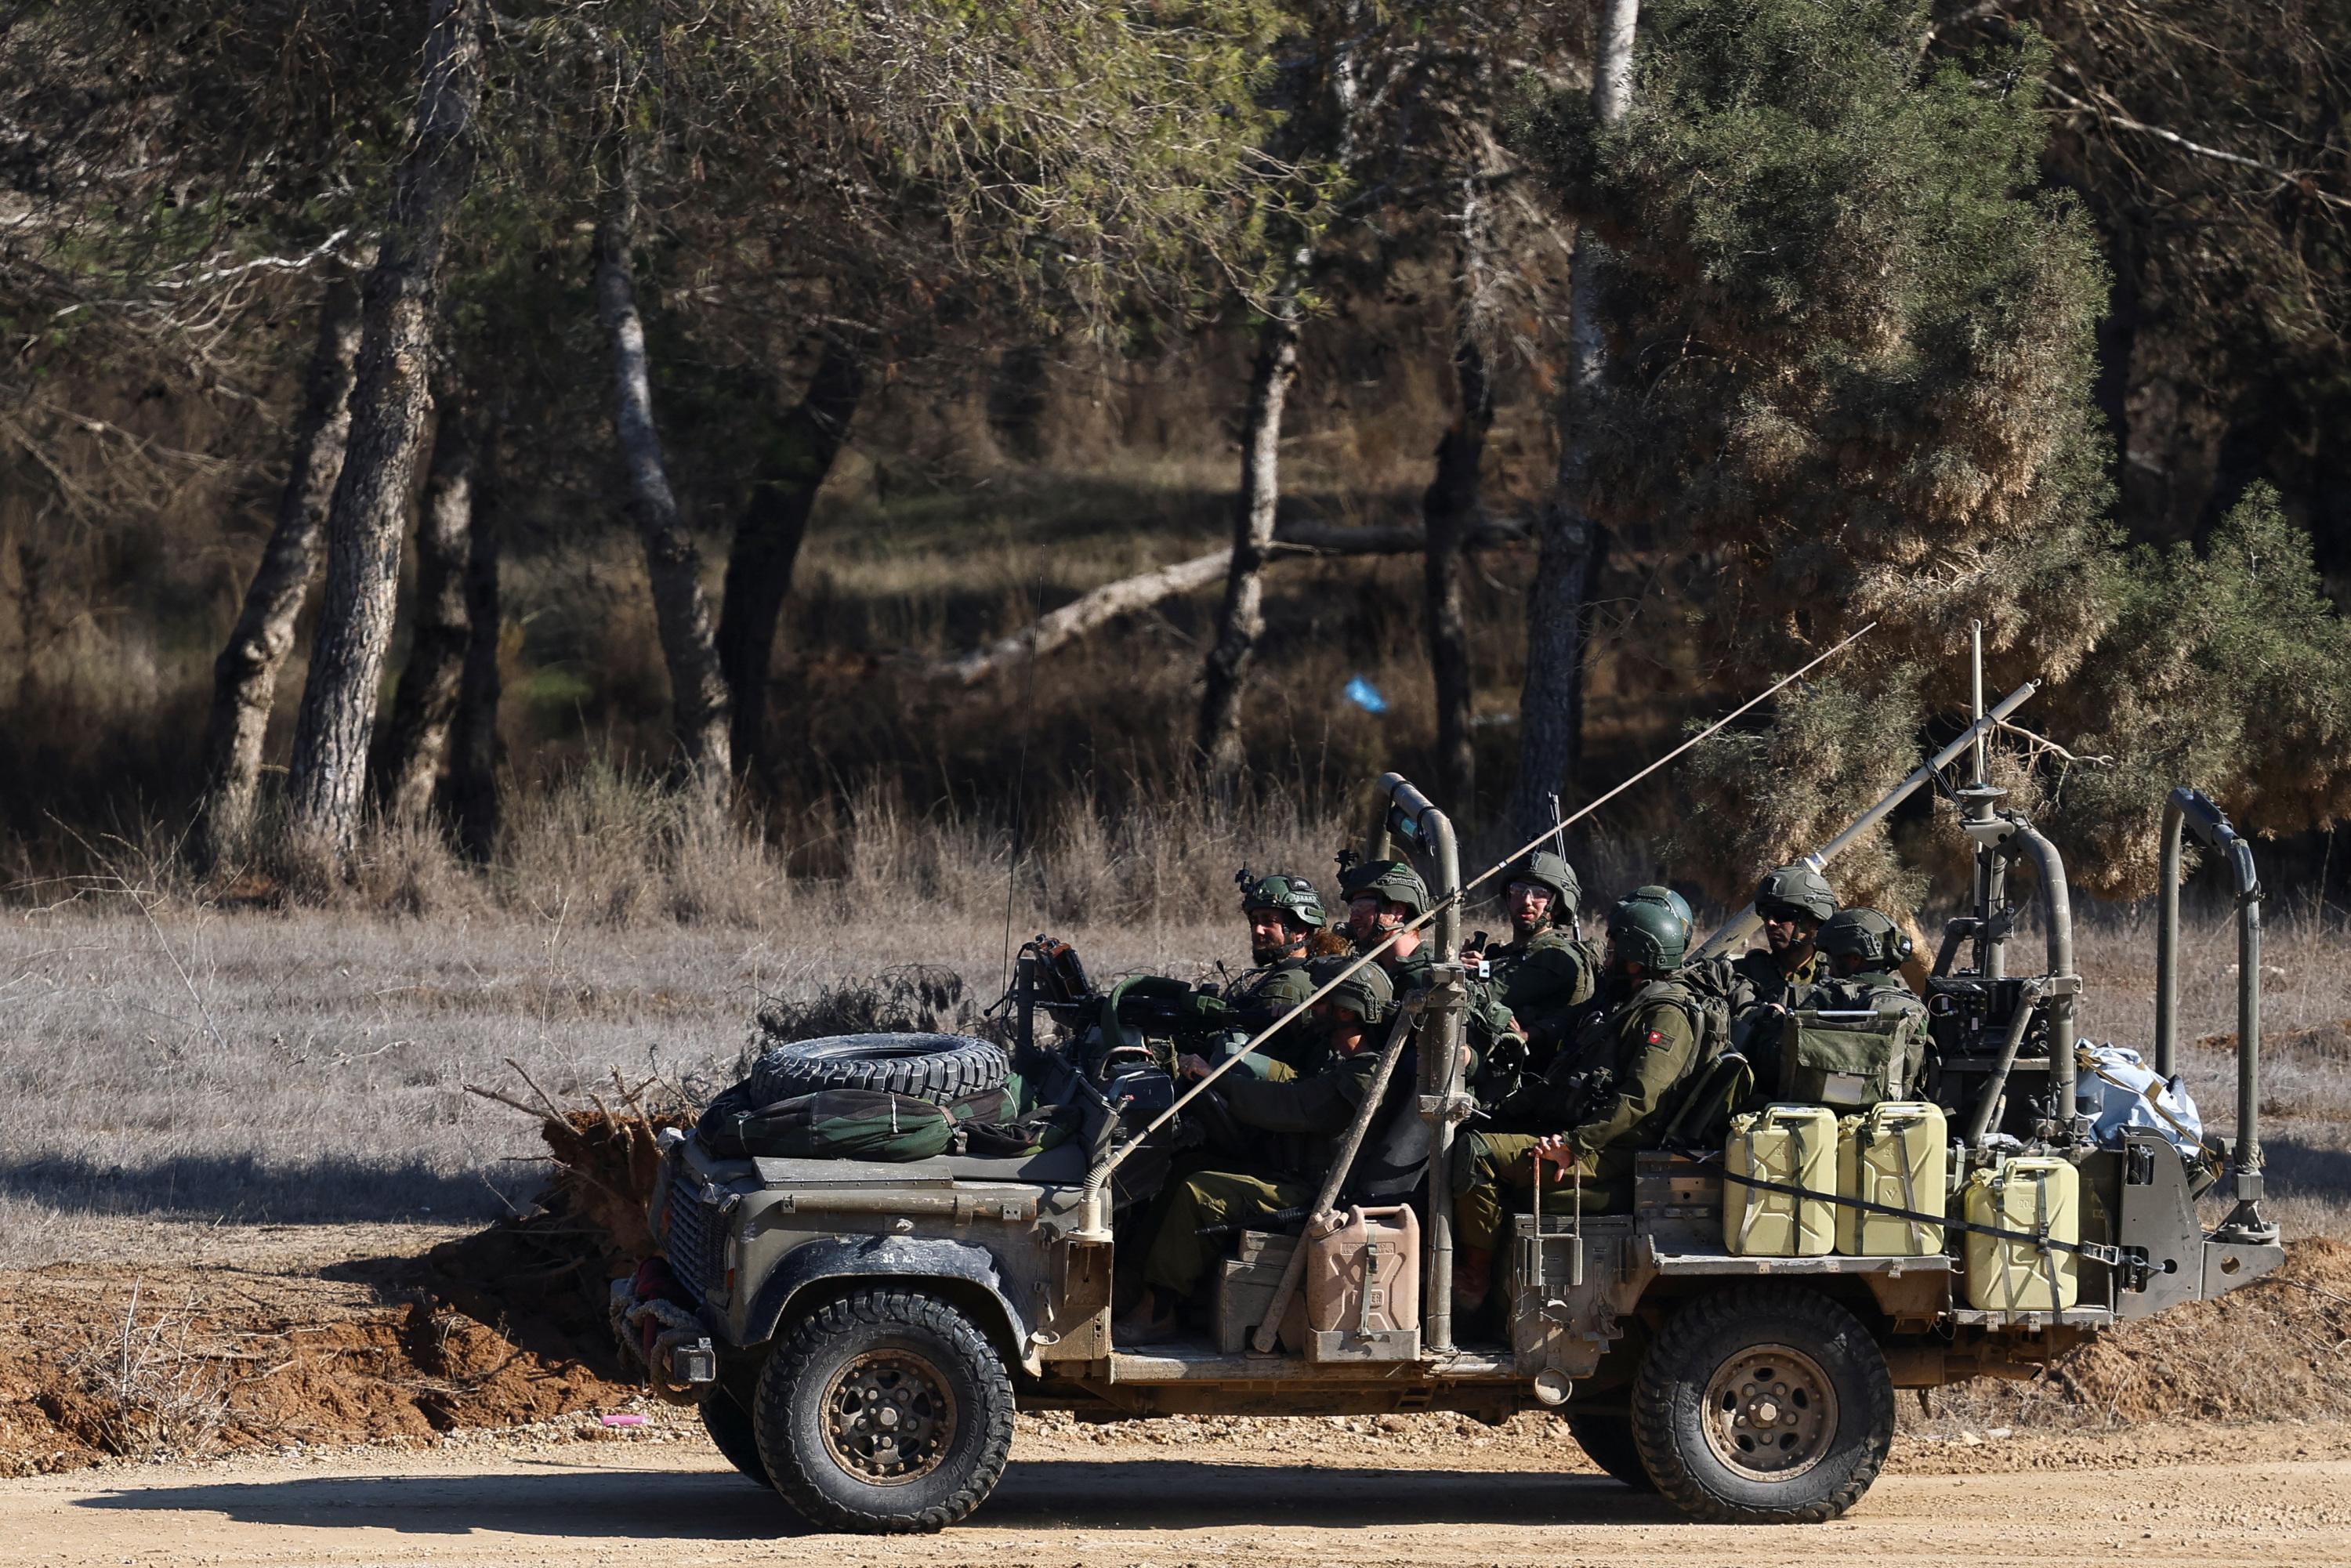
1863, 1045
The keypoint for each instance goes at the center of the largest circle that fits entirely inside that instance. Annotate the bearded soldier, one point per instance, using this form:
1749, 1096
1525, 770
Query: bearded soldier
1544, 976
1793, 902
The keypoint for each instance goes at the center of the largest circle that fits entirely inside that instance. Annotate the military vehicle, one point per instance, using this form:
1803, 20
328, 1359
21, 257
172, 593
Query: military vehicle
859, 1334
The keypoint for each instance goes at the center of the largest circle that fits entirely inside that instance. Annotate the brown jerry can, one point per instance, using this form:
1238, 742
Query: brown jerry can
1363, 1286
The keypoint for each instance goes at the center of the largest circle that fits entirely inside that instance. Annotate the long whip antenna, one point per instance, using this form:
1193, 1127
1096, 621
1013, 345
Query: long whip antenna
1099, 1177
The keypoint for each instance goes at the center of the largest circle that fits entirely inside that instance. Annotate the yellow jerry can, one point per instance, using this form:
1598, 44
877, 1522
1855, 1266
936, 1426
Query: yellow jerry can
1892, 1154
2035, 1195
1794, 1145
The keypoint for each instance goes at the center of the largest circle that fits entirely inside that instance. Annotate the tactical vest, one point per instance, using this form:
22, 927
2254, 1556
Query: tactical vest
1861, 1042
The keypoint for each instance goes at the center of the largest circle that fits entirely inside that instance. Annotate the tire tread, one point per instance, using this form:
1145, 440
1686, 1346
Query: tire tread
1653, 1403
885, 1307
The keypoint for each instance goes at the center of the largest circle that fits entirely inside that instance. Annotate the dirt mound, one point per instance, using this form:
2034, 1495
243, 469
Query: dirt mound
499, 1328
2276, 1350
186, 1363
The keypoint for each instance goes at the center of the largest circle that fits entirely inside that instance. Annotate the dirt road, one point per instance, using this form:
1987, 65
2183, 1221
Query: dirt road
1069, 1500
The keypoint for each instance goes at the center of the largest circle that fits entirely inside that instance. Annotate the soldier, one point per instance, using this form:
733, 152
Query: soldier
1606, 1097
1864, 949
1284, 913
1301, 1119
1382, 896
1544, 976
1793, 902
1385, 895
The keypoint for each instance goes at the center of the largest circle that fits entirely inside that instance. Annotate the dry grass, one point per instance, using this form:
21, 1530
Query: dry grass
174, 1052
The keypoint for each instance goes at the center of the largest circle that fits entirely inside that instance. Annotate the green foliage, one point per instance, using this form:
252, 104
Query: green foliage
2229, 671
1855, 346
1766, 797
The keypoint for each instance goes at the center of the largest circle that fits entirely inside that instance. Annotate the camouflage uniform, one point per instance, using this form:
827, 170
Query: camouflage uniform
1272, 990
1647, 1042
1304, 1117
1544, 978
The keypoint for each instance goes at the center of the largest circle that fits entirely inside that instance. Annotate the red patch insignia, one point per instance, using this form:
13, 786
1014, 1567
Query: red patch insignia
1657, 1039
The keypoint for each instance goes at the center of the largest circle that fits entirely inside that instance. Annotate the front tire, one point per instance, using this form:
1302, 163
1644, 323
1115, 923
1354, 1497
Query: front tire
887, 1412
1763, 1405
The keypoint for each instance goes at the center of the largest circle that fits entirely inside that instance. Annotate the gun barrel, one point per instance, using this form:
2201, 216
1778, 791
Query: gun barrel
1740, 928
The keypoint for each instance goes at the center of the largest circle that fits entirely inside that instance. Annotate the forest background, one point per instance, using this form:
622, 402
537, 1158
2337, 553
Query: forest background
745, 445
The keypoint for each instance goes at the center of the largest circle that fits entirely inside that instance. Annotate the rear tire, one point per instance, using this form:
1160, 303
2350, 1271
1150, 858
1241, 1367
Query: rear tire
940, 1068
1763, 1405
1606, 1438
730, 1429
887, 1412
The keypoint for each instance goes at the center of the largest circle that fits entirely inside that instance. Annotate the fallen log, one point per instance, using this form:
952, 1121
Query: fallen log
1112, 599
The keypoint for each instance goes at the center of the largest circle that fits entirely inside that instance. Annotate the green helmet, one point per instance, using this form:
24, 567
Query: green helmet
1798, 887
1865, 934
1392, 881
1293, 895
1648, 932
1368, 993
1657, 893
1544, 869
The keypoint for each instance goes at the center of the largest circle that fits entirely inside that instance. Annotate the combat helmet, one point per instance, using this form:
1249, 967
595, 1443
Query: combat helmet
1865, 934
1798, 887
1659, 893
1368, 993
1392, 881
1649, 933
1544, 869
1293, 895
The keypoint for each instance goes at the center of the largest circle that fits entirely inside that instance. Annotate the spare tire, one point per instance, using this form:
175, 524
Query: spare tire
940, 1068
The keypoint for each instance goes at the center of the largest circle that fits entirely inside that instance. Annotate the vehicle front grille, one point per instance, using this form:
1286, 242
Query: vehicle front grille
693, 1242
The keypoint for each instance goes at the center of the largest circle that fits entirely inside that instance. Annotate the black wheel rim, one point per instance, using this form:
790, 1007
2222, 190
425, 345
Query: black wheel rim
889, 1417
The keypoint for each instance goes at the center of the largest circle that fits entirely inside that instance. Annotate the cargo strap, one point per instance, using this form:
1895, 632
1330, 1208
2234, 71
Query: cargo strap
2097, 1252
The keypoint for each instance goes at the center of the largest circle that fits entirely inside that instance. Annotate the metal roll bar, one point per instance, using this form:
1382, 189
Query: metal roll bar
2191, 810
1440, 1043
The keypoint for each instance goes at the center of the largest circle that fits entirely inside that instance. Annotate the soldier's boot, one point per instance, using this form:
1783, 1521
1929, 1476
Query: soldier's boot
1150, 1321
1473, 1279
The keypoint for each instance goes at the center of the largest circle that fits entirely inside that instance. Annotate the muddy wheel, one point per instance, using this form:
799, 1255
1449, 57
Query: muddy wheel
1763, 1405
886, 1412
1606, 1438
729, 1426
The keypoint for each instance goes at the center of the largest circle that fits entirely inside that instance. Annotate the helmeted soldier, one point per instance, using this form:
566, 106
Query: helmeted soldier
1284, 912
1794, 900
1609, 1095
1864, 950
1544, 976
1300, 1118
1384, 896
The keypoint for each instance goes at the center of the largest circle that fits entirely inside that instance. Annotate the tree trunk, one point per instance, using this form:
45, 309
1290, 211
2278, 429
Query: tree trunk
245, 675
473, 737
1447, 511
417, 741
698, 705
1241, 619
327, 784
1550, 703
768, 539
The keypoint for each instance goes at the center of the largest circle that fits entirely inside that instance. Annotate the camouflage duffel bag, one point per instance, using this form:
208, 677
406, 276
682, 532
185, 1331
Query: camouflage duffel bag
832, 1124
